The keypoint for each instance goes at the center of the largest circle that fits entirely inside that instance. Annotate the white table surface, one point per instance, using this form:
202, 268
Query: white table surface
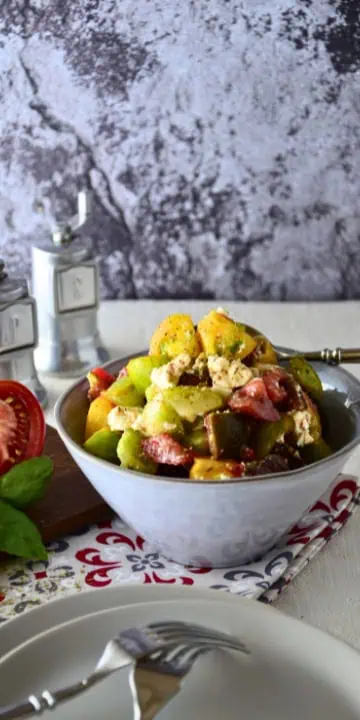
327, 593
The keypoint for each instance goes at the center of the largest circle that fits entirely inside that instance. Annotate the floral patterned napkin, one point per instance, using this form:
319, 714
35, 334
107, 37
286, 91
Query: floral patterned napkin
111, 553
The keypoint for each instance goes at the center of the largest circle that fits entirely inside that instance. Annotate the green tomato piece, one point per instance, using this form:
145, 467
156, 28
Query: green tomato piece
190, 402
151, 392
103, 444
197, 440
227, 433
159, 417
131, 454
306, 376
269, 433
317, 450
140, 369
123, 392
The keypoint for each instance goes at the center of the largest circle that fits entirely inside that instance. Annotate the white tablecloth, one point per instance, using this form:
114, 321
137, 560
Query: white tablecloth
327, 593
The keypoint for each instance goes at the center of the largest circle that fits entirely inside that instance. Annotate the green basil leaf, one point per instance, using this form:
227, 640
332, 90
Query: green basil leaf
18, 534
26, 482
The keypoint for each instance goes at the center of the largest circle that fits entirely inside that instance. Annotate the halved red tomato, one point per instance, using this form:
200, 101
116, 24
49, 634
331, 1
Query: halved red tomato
22, 424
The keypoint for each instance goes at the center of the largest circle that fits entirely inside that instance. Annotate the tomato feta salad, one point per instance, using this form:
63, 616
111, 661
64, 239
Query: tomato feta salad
209, 402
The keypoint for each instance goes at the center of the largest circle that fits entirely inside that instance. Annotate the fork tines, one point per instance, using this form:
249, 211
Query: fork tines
176, 660
179, 632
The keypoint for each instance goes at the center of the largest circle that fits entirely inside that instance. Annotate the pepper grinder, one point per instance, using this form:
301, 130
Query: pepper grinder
18, 334
66, 287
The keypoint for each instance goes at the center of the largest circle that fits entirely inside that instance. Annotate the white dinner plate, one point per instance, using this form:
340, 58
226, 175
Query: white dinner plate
35, 621
294, 671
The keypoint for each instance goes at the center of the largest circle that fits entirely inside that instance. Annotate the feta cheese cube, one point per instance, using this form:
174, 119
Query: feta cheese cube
168, 375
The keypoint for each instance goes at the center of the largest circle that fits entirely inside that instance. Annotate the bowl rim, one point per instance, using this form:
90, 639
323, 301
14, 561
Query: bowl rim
288, 475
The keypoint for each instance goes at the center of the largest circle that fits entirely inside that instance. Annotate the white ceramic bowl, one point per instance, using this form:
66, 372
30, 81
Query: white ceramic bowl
224, 523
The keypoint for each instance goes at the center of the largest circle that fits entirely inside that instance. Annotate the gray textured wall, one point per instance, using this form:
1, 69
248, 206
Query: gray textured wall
221, 139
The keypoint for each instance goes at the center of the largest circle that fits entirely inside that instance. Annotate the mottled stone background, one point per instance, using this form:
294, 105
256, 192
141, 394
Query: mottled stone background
221, 139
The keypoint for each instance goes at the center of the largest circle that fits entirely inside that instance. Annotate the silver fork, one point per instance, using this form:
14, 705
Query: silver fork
155, 681
142, 647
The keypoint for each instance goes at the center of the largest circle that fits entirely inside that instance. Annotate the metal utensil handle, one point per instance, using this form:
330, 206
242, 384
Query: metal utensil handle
17, 711
330, 357
335, 357
37, 704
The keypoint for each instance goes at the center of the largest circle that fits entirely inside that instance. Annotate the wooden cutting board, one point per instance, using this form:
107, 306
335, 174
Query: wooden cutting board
70, 502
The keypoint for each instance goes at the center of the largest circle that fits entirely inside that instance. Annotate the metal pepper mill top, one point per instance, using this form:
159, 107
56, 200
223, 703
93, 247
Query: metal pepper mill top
18, 334
66, 288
